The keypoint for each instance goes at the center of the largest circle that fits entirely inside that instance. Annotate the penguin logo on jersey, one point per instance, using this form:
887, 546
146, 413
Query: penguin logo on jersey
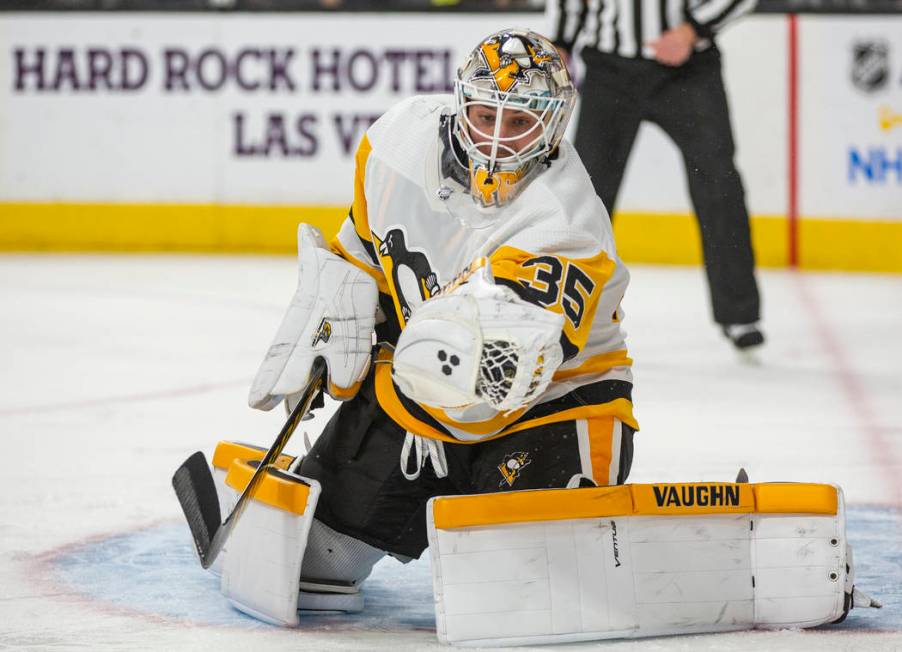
512, 466
412, 277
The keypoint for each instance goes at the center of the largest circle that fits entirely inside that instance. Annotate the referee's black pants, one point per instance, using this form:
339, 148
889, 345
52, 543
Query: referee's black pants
690, 105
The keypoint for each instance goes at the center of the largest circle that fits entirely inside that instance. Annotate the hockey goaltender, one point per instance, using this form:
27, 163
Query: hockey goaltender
496, 407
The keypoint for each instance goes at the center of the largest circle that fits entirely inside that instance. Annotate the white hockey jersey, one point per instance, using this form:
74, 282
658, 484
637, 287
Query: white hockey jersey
414, 229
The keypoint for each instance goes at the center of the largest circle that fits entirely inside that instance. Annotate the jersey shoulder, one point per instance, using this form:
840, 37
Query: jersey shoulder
560, 209
402, 137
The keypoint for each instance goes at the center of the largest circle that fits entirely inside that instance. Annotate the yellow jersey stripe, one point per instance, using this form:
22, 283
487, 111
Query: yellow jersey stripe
386, 394
359, 207
601, 435
376, 273
597, 364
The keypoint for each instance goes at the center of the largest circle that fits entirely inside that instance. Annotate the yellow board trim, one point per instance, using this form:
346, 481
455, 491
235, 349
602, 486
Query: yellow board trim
451, 512
864, 245
204, 228
825, 243
272, 490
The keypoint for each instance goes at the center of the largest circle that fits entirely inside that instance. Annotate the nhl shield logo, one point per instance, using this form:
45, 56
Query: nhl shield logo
870, 64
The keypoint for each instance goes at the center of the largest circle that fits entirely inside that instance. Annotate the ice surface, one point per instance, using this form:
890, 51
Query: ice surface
115, 368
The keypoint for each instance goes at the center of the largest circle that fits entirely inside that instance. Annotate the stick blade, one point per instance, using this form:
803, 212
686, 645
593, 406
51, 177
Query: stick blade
196, 491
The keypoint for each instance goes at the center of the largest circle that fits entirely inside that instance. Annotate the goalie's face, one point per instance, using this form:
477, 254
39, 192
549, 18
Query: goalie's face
501, 133
513, 97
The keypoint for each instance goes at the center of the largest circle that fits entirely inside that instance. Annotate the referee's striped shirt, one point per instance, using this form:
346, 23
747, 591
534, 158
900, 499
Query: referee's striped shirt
623, 27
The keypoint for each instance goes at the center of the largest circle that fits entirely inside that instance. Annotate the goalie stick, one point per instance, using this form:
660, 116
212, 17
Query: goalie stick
196, 490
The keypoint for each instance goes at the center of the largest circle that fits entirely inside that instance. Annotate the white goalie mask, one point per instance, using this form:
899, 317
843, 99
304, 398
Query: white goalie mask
513, 98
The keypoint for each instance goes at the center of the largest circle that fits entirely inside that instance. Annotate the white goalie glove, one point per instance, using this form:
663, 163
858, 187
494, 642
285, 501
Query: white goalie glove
480, 343
332, 315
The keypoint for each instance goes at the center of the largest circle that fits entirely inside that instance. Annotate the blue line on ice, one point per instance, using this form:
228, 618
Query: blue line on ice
154, 571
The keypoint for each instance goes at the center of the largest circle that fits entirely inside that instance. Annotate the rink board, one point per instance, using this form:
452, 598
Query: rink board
218, 132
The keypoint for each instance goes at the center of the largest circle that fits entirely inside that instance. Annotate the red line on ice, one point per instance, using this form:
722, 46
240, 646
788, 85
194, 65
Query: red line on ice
880, 446
130, 398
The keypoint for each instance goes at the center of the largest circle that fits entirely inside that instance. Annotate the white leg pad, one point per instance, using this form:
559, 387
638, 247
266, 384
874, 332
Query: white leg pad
557, 566
262, 570
226, 452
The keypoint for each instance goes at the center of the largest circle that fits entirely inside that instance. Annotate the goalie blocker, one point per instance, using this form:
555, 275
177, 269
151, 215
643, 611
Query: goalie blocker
557, 566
